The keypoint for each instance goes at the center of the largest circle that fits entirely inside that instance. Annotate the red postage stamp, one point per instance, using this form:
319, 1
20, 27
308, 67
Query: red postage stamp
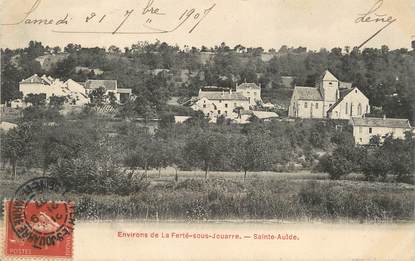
36, 228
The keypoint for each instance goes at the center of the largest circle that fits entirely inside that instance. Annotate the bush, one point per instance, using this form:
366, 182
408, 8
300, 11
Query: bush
83, 175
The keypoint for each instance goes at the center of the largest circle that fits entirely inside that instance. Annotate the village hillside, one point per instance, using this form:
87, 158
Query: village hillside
155, 131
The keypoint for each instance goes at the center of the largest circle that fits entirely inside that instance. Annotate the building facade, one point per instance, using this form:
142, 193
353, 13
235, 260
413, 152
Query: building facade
364, 129
330, 98
215, 102
250, 91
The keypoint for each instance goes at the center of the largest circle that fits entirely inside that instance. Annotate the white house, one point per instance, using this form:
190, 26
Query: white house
251, 91
215, 102
330, 98
365, 128
41, 85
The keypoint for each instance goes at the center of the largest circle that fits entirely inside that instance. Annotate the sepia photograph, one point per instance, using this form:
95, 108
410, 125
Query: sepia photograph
207, 130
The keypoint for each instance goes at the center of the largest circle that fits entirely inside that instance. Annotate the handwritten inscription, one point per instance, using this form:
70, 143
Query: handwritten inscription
150, 11
373, 16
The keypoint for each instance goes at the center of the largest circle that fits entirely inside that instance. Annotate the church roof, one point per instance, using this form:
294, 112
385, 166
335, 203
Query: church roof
247, 86
328, 76
381, 122
307, 93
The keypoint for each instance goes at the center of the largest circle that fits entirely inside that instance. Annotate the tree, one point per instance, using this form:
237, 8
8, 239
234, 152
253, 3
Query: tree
57, 101
204, 149
344, 160
98, 96
142, 150
10, 83
36, 99
15, 144
252, 152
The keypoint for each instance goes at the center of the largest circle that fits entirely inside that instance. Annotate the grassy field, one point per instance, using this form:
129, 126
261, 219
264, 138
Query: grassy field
301, 196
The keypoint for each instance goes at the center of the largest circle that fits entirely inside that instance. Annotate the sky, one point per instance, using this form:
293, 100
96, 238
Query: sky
269, 24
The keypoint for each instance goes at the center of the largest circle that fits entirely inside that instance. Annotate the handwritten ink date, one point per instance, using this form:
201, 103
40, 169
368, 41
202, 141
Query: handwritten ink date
149, 12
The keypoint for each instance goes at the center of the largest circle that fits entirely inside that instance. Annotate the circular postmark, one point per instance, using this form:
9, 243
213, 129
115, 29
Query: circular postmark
38, 215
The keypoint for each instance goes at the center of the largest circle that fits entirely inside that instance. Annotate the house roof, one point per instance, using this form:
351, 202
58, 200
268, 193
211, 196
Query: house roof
307, 93
35, 79
265, 114
122, 90
214, 88
247, 86
223, 96
328, 76
381, 122
109, 85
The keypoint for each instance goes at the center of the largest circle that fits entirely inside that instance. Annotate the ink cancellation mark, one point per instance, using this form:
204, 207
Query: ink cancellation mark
39, 227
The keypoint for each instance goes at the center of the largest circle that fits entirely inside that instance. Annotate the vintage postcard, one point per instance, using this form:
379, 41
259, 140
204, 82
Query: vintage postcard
207, 130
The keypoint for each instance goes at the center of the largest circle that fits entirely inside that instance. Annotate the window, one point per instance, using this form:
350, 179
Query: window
235, 104
214, 107
248, 93
254, 93
347, 108
218, 111
220, 101
204, 105
226, 112
330, 105
370, 130
204, 101
367, 108
359, 109
330, 83
226, 105
360, 129
316, 105
305, 105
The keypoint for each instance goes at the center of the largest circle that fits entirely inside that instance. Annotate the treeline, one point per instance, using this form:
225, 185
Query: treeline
394, 157
386, 76
88, 150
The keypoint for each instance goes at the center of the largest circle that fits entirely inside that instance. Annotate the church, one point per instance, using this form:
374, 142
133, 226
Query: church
330, 98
